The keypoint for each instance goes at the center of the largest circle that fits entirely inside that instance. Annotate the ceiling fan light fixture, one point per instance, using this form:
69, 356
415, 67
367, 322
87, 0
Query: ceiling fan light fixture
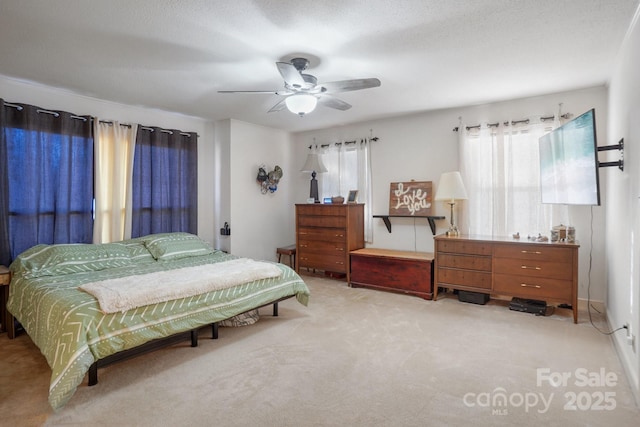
301, 103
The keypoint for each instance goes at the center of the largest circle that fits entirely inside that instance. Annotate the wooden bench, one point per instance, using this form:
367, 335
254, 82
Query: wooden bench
392, 270
290, 251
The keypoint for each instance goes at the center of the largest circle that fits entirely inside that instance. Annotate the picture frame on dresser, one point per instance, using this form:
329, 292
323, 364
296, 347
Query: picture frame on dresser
353, 196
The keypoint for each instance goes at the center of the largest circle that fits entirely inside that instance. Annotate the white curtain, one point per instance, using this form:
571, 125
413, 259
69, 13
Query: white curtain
365, 186
349, 168
500, 169
113, 153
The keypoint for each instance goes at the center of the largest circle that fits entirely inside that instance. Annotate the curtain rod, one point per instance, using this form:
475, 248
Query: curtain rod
56, 114
375, 138
108, 122
513, 122
43, 111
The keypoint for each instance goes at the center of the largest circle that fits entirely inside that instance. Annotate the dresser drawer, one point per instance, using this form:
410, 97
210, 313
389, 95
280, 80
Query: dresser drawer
322, 234
322, 247
334, 263
533, 268
532, 287
464, 261
322, 221
533, 253
464, 247
468, 278
321, 210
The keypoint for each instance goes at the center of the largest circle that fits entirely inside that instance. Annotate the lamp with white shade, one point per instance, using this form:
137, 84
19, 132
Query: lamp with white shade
313, 165
450, 189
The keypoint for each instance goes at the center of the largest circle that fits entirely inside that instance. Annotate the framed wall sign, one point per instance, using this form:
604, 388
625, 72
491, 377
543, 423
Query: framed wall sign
411, 198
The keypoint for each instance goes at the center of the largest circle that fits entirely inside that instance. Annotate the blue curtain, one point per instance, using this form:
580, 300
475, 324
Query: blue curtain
5, 249
46, 179
165, 188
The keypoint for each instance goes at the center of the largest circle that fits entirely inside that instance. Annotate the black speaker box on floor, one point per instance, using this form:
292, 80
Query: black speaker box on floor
539, 308
473, 297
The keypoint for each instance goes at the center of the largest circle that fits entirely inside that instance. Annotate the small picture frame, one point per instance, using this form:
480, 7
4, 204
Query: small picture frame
353, 196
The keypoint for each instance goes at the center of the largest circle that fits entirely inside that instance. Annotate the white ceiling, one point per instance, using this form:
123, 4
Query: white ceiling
429, 54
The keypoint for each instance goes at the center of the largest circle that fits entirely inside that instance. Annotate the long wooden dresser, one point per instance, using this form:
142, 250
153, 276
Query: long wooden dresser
508, 267
325, 234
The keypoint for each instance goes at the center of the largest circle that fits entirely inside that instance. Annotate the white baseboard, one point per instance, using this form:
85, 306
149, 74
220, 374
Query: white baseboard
598, 305
620, 345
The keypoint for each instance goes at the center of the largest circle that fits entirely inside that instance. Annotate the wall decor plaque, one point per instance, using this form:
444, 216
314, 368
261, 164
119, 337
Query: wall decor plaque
411, 198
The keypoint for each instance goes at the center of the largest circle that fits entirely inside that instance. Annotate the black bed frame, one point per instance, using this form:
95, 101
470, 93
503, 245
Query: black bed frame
164, 342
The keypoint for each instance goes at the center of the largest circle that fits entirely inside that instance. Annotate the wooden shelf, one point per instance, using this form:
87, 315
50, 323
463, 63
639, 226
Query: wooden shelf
432, 220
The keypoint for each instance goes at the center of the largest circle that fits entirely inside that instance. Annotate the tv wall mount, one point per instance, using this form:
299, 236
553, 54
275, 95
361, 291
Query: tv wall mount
619, 163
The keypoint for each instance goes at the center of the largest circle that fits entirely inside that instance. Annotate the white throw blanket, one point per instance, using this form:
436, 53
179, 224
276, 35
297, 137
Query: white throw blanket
129, 292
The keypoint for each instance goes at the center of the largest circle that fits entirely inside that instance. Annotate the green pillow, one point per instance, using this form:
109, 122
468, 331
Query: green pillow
138, 252
169, 246
53, 260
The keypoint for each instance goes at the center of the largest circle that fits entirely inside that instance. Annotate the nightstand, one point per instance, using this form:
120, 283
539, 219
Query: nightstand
5, 318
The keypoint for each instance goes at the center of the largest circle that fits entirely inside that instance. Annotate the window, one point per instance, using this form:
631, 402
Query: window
349, 168
500, 168
48, 178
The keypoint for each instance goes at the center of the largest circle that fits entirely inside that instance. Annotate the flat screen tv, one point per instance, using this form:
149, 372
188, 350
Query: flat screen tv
569, 163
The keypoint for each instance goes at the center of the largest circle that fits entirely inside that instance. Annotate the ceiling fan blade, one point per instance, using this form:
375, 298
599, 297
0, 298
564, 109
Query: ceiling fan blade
271, 92
248, 91
332, 102
290, 74
278, 107
349, 85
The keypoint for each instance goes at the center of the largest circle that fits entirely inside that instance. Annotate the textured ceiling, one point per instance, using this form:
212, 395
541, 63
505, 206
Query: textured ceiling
429, 54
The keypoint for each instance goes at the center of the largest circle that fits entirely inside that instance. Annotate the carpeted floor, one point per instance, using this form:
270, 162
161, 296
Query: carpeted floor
354, 357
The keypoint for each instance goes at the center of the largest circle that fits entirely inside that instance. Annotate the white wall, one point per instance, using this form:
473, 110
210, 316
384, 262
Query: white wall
221, 183
259, 222
422, 146
623, 208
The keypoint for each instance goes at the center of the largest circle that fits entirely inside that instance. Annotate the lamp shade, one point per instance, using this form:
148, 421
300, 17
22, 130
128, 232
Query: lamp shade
301, 103
451, 187
313, 164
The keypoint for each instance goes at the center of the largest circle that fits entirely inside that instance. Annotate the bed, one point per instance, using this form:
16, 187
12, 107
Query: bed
53, 296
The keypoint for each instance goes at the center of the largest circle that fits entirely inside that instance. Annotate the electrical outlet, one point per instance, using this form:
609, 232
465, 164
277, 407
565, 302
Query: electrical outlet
630, 337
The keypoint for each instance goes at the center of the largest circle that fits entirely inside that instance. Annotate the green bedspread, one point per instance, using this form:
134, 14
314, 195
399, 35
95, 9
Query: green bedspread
71, 330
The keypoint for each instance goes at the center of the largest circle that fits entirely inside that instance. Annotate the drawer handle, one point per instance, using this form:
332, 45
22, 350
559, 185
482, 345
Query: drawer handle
339, 262
524, 285
339, 249
531, 252
524, 267
339, 235
303, 246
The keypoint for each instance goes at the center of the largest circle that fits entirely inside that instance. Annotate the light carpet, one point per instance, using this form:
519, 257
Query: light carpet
354, 357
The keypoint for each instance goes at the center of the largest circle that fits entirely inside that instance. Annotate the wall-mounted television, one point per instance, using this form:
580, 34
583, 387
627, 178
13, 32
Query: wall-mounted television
569, 163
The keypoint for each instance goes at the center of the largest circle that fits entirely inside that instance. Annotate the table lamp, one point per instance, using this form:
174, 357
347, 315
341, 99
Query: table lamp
313, 165
450, 189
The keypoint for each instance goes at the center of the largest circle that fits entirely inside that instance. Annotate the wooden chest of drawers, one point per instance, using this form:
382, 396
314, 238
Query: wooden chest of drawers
325, 234
513, 268
391, 270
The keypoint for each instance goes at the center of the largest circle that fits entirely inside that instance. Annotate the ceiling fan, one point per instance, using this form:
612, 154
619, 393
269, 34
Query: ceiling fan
302, 91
